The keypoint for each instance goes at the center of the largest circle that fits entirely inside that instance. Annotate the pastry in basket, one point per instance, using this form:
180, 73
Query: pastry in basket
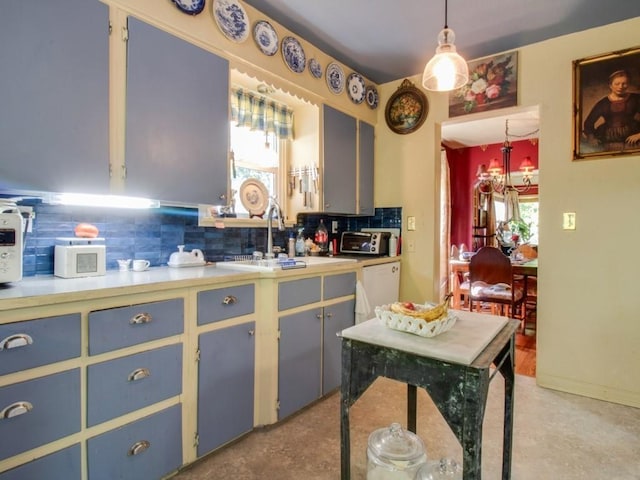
428, 314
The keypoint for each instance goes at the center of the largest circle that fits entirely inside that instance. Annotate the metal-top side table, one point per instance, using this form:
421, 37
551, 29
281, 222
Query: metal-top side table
458, 390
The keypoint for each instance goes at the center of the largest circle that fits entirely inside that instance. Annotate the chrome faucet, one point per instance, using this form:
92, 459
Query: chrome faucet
273, 207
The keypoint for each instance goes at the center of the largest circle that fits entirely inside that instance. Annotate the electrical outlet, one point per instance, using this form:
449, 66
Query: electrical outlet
334, 226
411, 246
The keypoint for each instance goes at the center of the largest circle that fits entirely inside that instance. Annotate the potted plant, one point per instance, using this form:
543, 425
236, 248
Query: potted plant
521, 231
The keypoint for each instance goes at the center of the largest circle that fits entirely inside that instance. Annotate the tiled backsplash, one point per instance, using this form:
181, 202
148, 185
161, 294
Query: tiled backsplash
154, 234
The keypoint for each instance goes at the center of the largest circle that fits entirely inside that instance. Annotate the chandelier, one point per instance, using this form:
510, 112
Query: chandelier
498, 175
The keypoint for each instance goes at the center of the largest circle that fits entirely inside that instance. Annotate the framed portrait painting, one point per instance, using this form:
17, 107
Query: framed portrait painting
493, 84
606, 96
407, 108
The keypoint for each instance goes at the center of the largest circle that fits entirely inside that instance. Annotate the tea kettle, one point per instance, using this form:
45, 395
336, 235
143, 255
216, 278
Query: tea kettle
194, 258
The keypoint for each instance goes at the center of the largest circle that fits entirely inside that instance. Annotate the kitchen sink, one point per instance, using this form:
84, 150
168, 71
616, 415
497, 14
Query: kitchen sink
273, 265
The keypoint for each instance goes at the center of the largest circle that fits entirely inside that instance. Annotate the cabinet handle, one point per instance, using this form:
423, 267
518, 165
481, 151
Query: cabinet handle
229, 300
139, 374
16, 409
16, 341
318, 316
329, 315
252, 333
139, 447
140, 318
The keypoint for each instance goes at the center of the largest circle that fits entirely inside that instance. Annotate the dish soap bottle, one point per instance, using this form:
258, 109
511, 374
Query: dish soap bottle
322, 237
300, 243
291, 250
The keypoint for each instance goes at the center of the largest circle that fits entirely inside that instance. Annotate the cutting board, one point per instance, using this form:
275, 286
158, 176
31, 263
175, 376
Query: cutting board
462, 344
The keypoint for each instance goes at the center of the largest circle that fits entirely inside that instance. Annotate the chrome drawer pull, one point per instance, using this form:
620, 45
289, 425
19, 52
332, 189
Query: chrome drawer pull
139, 447
140, 318
16, 341
229, 300
252, 333
139, 374
16, 409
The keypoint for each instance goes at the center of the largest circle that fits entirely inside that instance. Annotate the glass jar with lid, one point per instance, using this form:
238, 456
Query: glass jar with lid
443, 469
394, 454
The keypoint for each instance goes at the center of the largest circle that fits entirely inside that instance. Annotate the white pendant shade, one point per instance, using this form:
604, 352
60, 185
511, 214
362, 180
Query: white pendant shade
447, 70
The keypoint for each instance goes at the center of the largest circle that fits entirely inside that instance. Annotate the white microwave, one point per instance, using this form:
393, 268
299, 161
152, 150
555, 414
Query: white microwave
79, 257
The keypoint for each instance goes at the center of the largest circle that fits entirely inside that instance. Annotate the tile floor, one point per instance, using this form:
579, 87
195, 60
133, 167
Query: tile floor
557, 436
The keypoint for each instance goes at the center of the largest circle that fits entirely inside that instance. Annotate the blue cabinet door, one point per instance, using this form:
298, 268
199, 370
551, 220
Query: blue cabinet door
177, 124
336, 318
340, 156
64, 464
299, 364
225, 385
366, 140
54, 104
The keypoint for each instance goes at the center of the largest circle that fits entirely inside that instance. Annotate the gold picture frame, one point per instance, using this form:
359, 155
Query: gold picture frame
606, 105
407, 109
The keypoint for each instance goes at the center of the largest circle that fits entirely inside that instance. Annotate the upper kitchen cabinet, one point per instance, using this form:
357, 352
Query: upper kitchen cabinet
340, 152
54, 96
348, 164
177, 119
366, 141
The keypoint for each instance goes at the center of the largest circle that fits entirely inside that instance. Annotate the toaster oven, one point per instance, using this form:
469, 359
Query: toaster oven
365, 243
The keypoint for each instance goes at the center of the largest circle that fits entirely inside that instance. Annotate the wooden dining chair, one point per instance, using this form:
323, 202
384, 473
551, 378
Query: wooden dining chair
491, 281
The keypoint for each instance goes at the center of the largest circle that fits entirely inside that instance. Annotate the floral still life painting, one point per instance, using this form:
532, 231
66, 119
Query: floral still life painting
407, 109
493, 84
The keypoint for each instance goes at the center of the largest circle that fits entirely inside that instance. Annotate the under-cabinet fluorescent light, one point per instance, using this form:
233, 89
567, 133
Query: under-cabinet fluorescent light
113, 201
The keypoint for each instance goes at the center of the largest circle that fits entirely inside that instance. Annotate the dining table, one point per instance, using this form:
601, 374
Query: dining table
458, 268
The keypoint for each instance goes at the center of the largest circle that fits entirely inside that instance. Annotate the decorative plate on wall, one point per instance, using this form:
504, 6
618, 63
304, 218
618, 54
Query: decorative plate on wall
372, 96
356, 88
232, 20
254, 197
266, 37
407, 108
293, 54
192, 7
315, 68
335, 78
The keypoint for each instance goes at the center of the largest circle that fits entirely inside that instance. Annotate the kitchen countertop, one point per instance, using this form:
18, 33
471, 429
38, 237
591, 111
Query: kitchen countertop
48, 289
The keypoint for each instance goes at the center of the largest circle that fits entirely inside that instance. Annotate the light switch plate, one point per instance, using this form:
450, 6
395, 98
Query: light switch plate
569, 221
411, 223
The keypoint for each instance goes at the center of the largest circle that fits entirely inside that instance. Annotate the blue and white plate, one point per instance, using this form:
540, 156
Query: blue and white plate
293, 54
356, 88
335, 78
231, 19
315, 68
266, 37
372, 96
192, 7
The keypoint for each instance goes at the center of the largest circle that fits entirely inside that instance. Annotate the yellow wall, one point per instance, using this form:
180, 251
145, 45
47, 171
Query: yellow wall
588, 328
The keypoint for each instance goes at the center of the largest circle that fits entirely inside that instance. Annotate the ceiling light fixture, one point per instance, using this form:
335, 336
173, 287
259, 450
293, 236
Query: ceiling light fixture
447, 70
498, 175
91, 200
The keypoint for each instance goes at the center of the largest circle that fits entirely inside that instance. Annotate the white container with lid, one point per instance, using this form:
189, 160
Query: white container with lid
394, 454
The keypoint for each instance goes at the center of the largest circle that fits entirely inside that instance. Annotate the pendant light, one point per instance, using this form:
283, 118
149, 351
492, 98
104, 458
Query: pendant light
447, 70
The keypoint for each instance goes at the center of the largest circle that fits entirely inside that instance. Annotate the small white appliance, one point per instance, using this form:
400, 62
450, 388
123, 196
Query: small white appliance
79, 257
11, 227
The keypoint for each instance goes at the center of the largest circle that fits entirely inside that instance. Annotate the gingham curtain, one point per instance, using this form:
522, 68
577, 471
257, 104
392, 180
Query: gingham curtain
259, 113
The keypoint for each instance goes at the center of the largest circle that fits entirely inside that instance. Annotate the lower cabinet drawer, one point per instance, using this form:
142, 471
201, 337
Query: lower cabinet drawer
116, 328
226, 302
148, 449
64, 464
39, 411
122, 385
33, 343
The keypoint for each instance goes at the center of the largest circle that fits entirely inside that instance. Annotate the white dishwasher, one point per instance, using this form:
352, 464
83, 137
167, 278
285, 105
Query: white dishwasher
381, 284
